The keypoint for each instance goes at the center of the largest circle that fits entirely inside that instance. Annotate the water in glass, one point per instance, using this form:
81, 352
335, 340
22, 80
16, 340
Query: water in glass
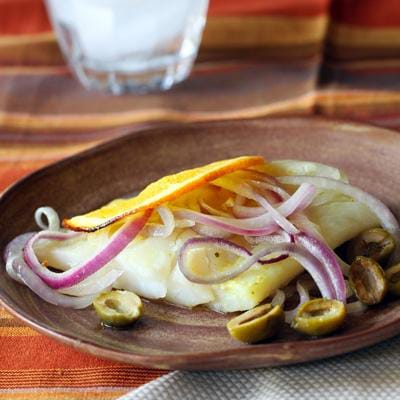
129, 45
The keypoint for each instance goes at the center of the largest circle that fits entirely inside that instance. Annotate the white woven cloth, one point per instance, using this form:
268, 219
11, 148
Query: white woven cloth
370, 374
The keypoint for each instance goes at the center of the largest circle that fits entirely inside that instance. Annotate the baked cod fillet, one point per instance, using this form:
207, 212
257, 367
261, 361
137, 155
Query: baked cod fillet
150, 263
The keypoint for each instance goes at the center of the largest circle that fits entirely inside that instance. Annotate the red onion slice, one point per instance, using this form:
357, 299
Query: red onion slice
328, 258
268, 191
184, 223
257, 226
278, 237
273, 260
213, 211
209, 231
281, 237
207, 242
94, 284
303, 297
52, 222
15, 247
386, 217
13, 250
168, 226
263, 177
239, 210
73, 276
280, 194
279, 298
41, 289
244, 189
301, 199
90, 286
311, 264
247, 212
306, 226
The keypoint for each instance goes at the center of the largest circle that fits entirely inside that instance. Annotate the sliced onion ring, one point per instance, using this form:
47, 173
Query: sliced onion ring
303, 297
15, 266
211, 210
247, 212
383, 213
280, 193
279, 298
300, 200
311, 264
276, 215
241, 211
93, 284
327, 257
42, 290
306, 226
278, 237
262, 176
53, 220
75, 275
273, 260
184, 223
13, 251
205, 230
257, 226
15, 247
168, 226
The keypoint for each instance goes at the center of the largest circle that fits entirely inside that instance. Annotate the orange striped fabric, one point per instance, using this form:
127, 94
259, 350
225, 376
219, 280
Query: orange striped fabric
258, 58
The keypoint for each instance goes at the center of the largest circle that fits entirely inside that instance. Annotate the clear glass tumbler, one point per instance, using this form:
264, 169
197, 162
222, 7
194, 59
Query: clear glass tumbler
129, 45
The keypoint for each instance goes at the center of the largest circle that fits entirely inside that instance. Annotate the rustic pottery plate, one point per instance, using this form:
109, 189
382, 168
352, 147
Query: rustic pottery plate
176, 338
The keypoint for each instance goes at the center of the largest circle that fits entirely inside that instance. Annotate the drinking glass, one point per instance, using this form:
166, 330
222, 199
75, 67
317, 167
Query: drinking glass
129, 45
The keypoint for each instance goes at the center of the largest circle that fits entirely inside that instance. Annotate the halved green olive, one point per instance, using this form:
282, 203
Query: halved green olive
118, 308
319, 317
376, 243
393, 279
368, 280
257, 324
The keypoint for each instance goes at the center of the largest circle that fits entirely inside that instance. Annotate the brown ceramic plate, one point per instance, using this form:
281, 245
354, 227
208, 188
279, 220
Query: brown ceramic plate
168, 336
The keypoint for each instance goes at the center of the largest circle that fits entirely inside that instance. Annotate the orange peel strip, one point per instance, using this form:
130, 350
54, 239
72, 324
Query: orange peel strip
162, 191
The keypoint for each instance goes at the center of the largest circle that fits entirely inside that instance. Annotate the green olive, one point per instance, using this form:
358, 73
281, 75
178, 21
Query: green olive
257, 324
368, 280
319, 317
393, 279
118, 308
376, 243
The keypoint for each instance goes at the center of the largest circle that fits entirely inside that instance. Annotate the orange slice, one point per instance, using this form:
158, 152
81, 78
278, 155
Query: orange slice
159, 192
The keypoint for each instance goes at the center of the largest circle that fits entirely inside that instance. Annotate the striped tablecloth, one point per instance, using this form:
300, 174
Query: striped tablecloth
258, 58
